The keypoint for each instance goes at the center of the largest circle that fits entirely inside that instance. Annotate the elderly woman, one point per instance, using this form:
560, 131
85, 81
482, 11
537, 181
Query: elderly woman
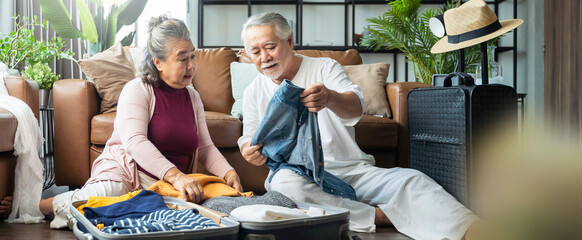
159, 131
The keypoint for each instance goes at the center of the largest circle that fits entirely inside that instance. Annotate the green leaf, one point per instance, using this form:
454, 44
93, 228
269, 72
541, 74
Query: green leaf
95, 48
87, 22
59, 18
128, 39
108, 37
130, 11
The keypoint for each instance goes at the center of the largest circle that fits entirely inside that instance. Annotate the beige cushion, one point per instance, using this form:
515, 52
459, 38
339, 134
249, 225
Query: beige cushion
110, 70
212, 78
372, 79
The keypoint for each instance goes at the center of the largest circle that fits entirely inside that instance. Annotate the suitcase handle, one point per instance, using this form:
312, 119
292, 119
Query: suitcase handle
435, 138
464, 79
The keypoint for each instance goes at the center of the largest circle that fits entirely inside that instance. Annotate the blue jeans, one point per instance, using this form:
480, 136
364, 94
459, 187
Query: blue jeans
291, 140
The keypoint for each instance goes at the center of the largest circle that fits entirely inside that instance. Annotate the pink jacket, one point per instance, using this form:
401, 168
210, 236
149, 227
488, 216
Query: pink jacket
129, 144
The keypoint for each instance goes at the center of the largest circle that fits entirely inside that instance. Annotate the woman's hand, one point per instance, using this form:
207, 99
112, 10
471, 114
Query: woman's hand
232, 179
253, 154
189, 188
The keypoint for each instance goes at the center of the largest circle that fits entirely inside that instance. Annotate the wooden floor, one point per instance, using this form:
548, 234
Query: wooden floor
43, 231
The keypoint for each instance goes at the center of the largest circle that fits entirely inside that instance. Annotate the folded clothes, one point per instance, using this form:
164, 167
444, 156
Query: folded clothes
265, 213
227, 204
106, 201
213, 187
163, 220
141, 204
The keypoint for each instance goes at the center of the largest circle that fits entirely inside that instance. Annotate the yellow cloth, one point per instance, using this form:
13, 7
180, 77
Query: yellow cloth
106, 201
213, 187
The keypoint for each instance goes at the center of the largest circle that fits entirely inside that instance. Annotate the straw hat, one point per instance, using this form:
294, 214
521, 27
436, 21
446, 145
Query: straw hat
470, 24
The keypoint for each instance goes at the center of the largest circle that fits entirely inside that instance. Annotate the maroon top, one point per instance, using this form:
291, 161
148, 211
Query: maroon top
171, 128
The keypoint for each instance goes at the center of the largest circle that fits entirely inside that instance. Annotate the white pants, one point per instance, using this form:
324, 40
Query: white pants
414, 203
63, 201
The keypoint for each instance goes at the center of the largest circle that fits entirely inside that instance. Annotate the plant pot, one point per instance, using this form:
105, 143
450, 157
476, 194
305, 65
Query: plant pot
13, 72
44, 98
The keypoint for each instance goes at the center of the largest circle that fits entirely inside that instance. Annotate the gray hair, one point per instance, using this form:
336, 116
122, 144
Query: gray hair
282, 28
160, 30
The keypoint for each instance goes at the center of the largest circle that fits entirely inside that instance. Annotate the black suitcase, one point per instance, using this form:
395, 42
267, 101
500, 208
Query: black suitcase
447, 125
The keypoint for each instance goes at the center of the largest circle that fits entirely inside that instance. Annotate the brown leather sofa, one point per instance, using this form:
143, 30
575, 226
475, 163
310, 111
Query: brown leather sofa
81, 132
26, 91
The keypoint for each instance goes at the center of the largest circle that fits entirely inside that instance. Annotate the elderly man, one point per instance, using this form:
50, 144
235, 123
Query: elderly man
406, 198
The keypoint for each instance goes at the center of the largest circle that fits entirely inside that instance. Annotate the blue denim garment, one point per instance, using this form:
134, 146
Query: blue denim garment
291, 140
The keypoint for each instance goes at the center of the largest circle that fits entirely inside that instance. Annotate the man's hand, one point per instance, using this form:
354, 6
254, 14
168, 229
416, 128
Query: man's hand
189, 188
316, 97
253, 154
344, 105
232, 179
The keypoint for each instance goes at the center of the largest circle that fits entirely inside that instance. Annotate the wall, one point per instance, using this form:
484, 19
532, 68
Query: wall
533, 54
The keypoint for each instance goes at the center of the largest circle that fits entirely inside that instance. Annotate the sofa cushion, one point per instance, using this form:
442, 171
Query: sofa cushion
348, 57
8, 125
224, 129
372, 79
376, 132
102, 127
242, 74
212, 78
110, 70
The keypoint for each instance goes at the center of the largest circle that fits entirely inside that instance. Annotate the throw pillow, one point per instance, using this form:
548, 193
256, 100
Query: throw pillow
110, 70
372, 79
241, 75
138, 55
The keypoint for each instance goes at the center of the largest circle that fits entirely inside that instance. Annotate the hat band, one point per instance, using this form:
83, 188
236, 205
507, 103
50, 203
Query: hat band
475, 33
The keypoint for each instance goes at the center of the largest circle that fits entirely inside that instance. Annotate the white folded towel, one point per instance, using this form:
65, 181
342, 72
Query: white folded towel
265, 213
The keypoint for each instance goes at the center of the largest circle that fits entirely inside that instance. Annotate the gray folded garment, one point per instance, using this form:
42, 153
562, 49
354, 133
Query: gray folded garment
227, 204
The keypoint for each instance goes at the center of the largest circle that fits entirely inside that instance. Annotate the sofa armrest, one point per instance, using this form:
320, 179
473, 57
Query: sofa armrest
24, 90
397, 96
75, 103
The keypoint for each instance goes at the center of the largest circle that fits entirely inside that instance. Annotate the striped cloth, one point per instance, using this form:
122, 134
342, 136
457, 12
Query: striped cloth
162, 220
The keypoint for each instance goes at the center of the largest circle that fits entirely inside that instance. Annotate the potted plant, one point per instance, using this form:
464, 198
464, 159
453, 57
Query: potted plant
44, 76
405, 27
20, 47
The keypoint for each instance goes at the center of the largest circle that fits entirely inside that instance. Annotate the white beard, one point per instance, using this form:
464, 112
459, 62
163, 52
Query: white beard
273, 73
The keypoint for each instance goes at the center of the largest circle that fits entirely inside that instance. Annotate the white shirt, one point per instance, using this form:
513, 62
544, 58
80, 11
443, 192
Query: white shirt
340, 151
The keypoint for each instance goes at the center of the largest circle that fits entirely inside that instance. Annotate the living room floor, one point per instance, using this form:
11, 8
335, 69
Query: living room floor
43, 230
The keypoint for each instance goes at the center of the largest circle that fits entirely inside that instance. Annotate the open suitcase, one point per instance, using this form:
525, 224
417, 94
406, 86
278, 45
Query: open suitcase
333, 225
83, 229
448, 124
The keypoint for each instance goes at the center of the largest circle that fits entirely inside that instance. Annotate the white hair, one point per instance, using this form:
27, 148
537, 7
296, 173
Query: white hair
161, 30
282, 28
